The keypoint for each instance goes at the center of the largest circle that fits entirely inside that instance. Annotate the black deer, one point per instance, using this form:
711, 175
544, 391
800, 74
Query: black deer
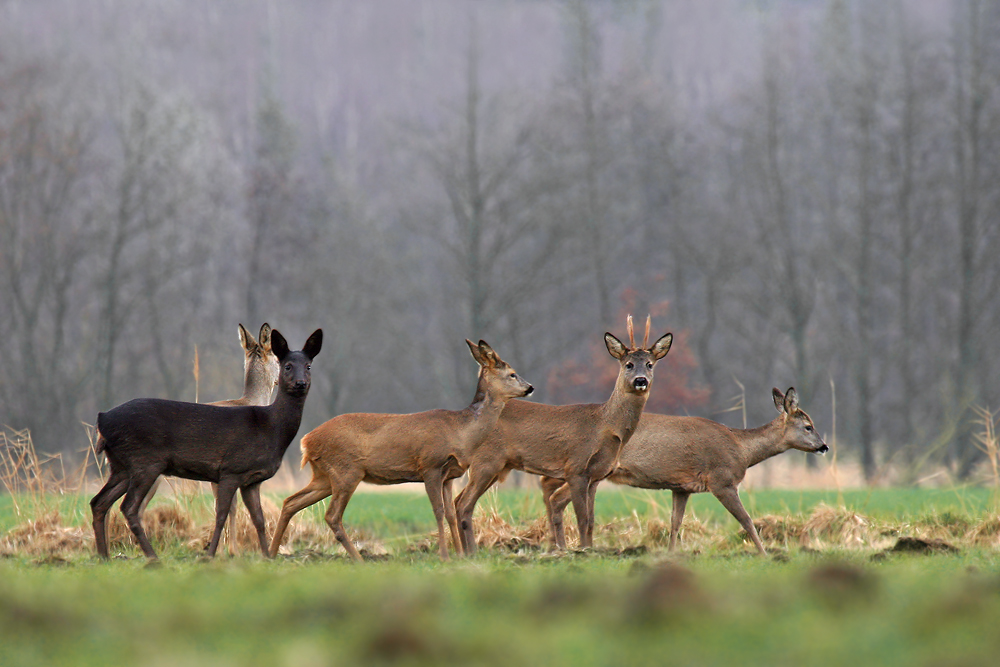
235, 447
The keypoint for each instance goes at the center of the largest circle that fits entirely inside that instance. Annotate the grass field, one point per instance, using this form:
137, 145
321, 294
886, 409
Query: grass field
832, 592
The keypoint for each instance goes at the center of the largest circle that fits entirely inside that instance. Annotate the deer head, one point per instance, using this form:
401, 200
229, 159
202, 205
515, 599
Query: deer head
637, 363
496, 374
799, 430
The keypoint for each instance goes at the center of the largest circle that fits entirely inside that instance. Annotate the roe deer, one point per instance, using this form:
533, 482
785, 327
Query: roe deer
260, 374
431, 447
575, 443
692, 455
236, 447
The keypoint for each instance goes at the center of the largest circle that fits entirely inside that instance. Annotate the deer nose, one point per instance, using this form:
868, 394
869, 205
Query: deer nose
823, 449
529, 390
640, 383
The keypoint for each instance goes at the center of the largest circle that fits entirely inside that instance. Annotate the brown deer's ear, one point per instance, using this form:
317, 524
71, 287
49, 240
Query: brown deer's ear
279, 345
779, 399
264, 338
615, 346
246, 339
492, 357
477, 354
662, 346
313, 344
791, 400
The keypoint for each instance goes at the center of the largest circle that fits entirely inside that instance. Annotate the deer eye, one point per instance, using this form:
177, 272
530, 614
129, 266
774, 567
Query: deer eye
809, 427
308, 367
629, 365
288, 367
649, 365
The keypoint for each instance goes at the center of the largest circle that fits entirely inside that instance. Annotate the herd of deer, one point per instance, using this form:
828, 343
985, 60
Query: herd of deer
238, 444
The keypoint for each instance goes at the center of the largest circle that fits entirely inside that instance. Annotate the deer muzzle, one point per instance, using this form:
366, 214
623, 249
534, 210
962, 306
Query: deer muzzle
822, 449
640, 384
528, 391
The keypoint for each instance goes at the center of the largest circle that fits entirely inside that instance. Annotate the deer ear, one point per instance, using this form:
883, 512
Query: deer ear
477, 354
246, 339
491, 356
265, 336
615, 346
662, 346
279, 345
313, 344
791, 400
779, 399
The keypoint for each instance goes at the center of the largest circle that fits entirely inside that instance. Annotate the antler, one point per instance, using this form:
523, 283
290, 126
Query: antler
631, 334
645, 338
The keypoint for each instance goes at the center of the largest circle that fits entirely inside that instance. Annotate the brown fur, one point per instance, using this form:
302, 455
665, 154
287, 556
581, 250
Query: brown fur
694, 455
432, 447
578, 444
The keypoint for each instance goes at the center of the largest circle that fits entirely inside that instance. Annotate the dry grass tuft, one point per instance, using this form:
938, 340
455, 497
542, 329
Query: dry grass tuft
986, 533
840, 526
46, 536
780, 530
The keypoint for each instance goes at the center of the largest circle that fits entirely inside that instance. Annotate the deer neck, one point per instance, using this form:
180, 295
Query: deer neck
286, 411
483, 413
256, 388
622, 410
760, 444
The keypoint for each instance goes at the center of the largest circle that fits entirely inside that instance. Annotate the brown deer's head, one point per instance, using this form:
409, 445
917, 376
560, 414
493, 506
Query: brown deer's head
637, 363
496, 374
799, 430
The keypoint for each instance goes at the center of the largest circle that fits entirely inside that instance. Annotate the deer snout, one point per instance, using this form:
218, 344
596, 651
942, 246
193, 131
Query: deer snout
640, 383
527, 392
822, 449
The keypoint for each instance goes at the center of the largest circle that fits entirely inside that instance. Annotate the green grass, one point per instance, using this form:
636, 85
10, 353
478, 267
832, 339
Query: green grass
396, 516
719, 607
837, 609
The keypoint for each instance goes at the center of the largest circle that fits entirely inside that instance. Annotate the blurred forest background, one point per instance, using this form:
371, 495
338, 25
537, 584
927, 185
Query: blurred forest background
806, 192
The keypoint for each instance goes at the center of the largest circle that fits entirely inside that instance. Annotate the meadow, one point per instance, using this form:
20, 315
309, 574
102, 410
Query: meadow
881, 576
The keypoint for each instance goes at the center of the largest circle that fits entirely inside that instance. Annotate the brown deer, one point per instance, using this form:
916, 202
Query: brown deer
260, 374
235, 447
693, 455
432, 447
578, 444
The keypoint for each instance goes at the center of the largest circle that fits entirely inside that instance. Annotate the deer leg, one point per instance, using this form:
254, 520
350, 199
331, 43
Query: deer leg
138, 487
591, 497
334, 519
557, 538
465, 505
560, 499
680, 499
114, 489
579, 489
433, 484
149, 496
730, 499
452, 516
229, 532
227, 489
312, 493
251, 498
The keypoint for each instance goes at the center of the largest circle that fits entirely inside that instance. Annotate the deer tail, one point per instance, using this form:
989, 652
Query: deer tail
304, 445
101, 444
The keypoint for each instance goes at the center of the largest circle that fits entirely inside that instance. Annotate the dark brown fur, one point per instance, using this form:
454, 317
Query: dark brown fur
235, 447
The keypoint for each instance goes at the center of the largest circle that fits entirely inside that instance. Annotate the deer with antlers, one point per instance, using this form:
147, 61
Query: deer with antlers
577, 444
